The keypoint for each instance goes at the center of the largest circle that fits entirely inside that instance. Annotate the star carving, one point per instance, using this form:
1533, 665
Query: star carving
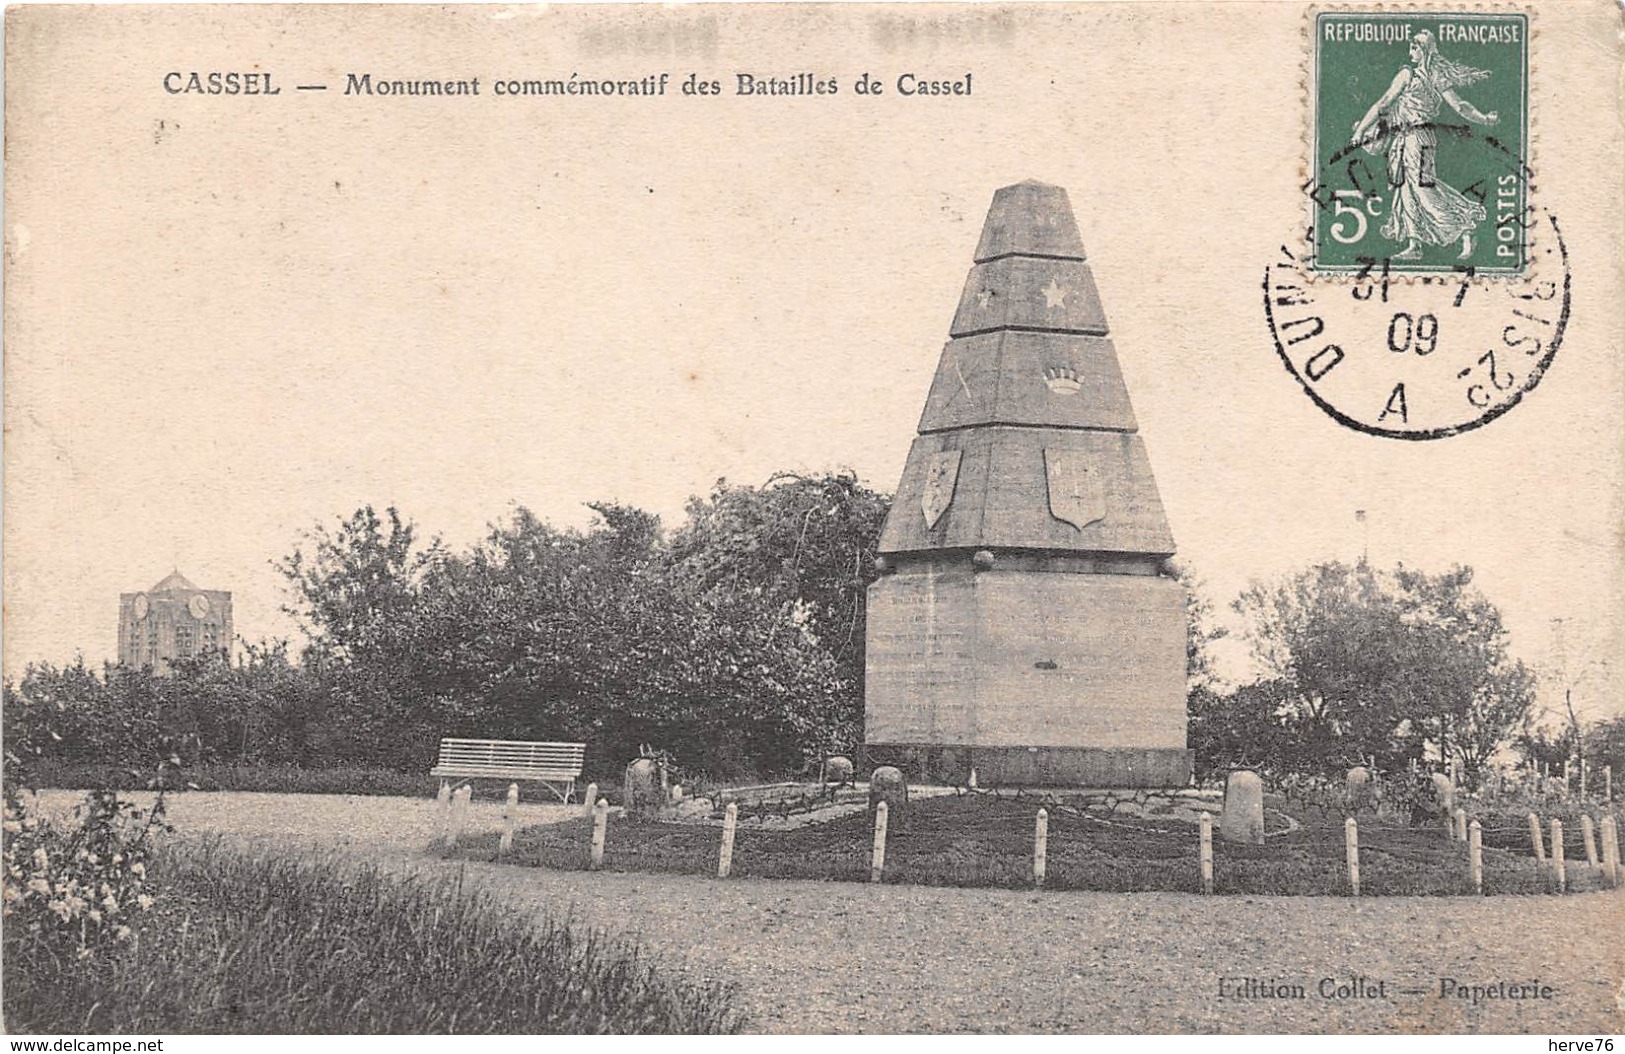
1054, 295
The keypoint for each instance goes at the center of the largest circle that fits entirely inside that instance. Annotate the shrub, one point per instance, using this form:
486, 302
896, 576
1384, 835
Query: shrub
73, 890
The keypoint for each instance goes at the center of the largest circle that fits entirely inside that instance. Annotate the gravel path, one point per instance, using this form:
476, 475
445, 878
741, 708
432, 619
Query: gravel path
833, 957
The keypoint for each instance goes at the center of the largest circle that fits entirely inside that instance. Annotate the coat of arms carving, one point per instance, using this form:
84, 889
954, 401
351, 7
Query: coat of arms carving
1077, 494
941, 473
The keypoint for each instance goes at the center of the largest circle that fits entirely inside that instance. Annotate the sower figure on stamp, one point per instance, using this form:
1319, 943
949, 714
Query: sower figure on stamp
1423, 209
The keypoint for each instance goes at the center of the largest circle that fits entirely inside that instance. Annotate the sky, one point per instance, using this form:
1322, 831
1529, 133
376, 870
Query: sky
229, 320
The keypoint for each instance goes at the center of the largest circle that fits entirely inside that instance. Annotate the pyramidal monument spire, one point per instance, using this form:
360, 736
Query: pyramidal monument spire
1024, 625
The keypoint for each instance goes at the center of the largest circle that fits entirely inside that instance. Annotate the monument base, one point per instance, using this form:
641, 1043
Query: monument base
1036, 766
1031, 677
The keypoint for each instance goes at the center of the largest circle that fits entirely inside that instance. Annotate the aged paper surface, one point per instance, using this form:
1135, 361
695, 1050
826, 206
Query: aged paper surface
267, 264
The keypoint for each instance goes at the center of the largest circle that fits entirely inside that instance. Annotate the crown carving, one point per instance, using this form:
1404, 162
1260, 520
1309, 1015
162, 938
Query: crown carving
1063, 380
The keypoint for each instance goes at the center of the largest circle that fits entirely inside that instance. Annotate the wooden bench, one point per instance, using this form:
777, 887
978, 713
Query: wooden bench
554, 765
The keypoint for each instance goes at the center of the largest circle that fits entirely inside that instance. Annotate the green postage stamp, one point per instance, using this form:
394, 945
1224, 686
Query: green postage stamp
1420, 127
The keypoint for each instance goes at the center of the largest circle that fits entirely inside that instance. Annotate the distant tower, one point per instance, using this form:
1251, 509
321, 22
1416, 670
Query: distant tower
172, 620
1024, 625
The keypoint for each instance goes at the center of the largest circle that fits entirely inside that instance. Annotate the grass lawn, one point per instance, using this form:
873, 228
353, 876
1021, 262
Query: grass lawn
246, 942
984, 840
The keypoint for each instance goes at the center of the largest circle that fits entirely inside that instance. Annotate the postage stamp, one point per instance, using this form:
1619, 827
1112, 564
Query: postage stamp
1420, 129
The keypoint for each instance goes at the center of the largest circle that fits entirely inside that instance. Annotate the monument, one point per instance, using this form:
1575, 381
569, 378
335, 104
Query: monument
1024, 624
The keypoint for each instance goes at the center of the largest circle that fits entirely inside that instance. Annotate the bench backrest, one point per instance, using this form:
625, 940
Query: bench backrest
507, 753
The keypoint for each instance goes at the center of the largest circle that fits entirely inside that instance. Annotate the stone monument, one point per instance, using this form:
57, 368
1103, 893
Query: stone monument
886, 784
1243, 817
642, 792
1024, 623
1358, 789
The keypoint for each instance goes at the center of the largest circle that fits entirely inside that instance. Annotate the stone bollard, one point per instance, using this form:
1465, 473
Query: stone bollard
1243, 817
838, 770
1040, 846
442, 808
1534, 836
1559, 874
1610, 851
589, 800
1351, 849
1461, 825
510, 822
1357, 787
877, 859
730, 820
1590, 840
676, 792
1206, 824
886, 786
1475, 856
642, 793
600, 822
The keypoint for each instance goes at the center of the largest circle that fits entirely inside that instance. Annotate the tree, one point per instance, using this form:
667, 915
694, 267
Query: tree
1244, 728
122, 716
804, 545
1548, 748
1552, 744
353, 587
603, 635
611, 634
1378, 664
1605, 745
1200, 629
1503, 701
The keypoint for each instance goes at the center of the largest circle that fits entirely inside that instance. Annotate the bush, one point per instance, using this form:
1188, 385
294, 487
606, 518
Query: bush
72, 891
261, 943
